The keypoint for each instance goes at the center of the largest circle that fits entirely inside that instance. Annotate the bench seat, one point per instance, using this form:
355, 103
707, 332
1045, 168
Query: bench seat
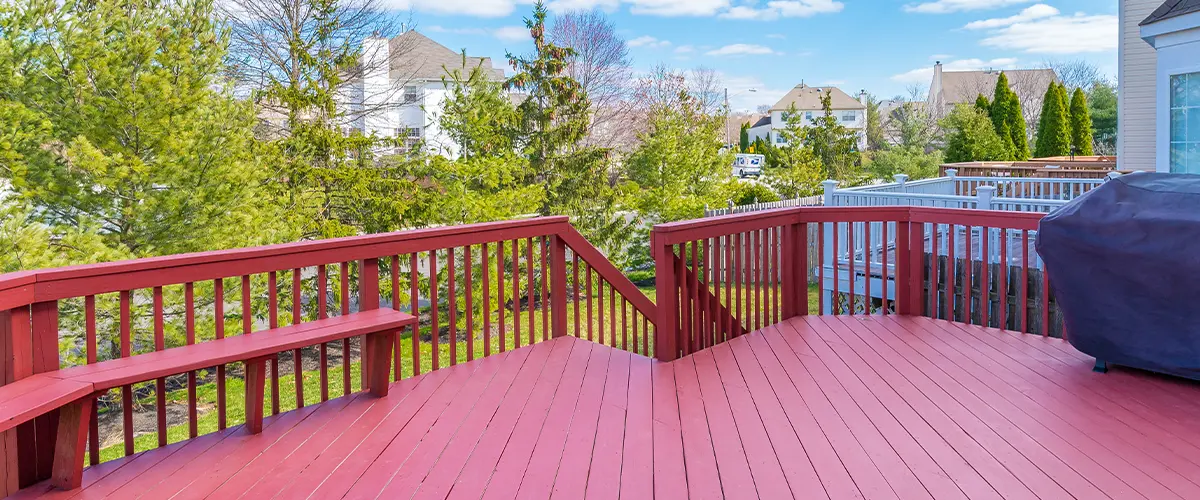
72, 391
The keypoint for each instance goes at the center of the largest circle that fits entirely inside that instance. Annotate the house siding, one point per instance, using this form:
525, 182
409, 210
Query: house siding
1137, 97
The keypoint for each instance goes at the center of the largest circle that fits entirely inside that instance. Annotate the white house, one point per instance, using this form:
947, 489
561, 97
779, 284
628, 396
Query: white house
1173, 30
1136, 96
850, 112
401, 93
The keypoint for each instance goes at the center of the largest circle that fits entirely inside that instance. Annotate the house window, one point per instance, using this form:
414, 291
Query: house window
779, 139
785, 115
410, 94
848, 116
808, 115
1185, 123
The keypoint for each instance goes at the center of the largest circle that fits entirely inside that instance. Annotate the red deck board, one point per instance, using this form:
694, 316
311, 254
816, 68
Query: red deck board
605, 472
513, 463
1069, 417
976, 438
1019, 450
477, 473
442, 474
538, 479
816, 407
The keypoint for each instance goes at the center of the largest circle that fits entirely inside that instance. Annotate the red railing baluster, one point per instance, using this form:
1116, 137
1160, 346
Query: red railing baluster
600, 308
89, 322
985, 286
820, 269
516, 293
160, 384
969, 279
530, 288
693, 333
587, 271
500, 292
612, 314
414, 283
189, 331
739, 283
1025, 281
397, 358
452, 303
575, 290
126, 390
1045, 302
219, 333
883, 270
273, 323
485, 267
322, 313
546, 328
624, 327
731, 316
853, 282
298, 354
435, 327
951, 272
468, 270
934, 282
344, 287
836, 303
867, 251
1003, 279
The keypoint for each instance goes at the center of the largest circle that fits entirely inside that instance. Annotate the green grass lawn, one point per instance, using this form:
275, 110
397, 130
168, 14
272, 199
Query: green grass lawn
206, 394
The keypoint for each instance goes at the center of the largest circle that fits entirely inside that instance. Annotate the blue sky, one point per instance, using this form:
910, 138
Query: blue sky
882, 46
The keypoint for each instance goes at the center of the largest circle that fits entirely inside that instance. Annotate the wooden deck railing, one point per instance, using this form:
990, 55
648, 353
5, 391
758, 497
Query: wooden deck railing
479, 289
724, 276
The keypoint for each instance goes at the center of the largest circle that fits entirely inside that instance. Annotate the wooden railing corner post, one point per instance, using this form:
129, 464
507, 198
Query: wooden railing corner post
910, 250
368, 298
666, 299
795, 270
558, 287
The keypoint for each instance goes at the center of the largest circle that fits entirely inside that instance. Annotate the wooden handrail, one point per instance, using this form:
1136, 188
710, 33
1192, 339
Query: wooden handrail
24, 288
580, 245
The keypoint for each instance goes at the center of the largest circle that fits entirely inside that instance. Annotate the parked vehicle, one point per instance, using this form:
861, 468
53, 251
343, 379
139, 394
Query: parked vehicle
747, 165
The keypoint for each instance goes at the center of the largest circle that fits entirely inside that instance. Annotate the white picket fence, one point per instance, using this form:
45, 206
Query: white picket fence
808, 201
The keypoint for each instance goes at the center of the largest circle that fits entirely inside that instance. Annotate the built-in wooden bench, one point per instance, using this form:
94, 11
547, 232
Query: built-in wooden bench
73, 390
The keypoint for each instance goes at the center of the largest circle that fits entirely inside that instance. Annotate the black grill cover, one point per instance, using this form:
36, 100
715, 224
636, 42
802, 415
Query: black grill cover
1124, 262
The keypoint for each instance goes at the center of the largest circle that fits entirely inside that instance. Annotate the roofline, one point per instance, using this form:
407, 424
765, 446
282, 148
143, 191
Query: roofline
1169, 25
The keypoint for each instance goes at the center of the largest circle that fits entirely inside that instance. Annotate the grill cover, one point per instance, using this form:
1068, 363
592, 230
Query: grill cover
1124, 261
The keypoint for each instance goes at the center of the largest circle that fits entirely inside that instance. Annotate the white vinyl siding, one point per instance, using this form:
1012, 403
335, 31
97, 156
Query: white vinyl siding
1137, 98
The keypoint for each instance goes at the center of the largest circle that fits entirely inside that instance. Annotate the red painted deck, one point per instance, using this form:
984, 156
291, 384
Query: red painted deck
819, 407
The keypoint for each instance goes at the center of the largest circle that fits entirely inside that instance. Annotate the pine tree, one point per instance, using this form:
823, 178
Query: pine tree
1054, 128
998, 111
1081, 124
1008, 120
744, 138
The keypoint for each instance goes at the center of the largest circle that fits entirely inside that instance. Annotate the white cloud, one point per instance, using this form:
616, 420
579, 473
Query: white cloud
477, 8
948, 6
924, 75
569, 5
777, 36
457, 31
784, 8
684, 49
648, 42
676, 7
739, 49
740, 97
512, 33
1031, 13
1058, 35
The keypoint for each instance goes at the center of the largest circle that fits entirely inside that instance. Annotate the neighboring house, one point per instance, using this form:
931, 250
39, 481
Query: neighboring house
850, 112
1173, 30
401, 92
1136, 96
951, 88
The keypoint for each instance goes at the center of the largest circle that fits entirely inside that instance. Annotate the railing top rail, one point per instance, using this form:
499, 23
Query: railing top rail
1044, 180
697, 229
26, 287
923, 196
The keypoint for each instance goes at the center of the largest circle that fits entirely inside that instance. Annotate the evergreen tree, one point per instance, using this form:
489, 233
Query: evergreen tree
126, 129
970, 136
1102, 106
1054, 137
982, 104
1081, 124
1017, 128
793, 168
553, 121
835, 145
744, 138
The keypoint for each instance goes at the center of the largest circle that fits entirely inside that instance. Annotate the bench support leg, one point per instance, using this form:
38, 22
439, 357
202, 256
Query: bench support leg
69, 446
1101, 367
256, 370
379, 351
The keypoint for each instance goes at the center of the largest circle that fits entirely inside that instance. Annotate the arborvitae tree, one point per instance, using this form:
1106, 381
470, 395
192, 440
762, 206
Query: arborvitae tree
744, 138
970, 136
1081, 124
1054, 137
1017, 128
982, 103
998, 111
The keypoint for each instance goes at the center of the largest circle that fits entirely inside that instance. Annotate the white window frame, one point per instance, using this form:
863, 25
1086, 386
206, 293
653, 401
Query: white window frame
1190, 144
414, 96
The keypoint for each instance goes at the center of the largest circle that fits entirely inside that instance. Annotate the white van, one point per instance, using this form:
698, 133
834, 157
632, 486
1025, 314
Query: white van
746, 165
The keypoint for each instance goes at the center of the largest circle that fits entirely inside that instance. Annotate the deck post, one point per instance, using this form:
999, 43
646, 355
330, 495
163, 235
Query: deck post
73, 423
795, 270
16, 347
666, 328
910, 249
255, 387
368, 298
558, 287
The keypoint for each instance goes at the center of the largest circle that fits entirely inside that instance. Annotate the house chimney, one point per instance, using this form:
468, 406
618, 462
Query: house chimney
376, 59
862, 96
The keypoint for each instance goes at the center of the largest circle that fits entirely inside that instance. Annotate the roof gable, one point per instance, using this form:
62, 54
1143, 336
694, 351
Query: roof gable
809, 98
1170, 9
